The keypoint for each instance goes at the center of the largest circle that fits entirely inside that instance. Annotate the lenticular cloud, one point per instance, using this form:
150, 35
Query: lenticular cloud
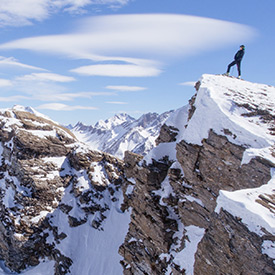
168, 34
140, 42
138, 35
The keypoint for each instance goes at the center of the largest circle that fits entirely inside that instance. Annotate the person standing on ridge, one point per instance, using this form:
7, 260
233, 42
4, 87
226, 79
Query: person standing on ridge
237, 61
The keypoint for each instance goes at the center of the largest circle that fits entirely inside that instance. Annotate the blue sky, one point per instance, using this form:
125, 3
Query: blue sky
85, 60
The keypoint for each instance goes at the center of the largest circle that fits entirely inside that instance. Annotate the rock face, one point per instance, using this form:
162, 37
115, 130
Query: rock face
227, 244
179, 224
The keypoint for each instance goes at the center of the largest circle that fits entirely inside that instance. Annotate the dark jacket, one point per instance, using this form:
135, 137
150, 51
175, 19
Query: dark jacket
239, 55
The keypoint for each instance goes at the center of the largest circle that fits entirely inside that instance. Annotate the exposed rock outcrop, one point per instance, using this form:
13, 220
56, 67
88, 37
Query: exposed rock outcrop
174, 201
207, 169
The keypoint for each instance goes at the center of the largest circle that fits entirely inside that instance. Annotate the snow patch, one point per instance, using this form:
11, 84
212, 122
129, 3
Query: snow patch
192, 199
268, 248
186, 258
243, 204
100, 247
159, 152
251, 153
129, 190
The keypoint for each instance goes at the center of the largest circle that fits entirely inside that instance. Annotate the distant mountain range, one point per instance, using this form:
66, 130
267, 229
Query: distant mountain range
122, 132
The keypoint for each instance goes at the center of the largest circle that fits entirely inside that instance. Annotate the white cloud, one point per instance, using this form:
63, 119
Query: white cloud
20, 12
46, 87
188, 83
63, 107
43, 86
11, 61
138, 34
15, 98
117, 102
42, 90
117, 70
69, 96
54, 96
136, 44
24, 12
126, 88
46, 77
5, 82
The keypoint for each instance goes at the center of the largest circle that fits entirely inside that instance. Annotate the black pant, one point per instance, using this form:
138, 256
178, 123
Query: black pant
238, 63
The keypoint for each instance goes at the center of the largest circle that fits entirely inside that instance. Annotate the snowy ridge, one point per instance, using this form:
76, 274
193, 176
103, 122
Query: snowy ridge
225, 103
122, 132
241, 110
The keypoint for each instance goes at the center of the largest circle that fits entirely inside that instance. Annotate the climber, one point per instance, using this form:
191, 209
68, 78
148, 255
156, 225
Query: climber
237, 61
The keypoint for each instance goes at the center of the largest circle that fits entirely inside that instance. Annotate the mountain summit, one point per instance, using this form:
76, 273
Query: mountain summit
201, 201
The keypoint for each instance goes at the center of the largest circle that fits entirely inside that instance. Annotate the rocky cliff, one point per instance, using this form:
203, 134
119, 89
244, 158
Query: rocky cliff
201, 202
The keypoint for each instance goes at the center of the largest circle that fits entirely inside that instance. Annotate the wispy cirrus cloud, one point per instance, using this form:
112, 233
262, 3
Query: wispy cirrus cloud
136, 45
15, 98
42, 86
117, 70
55, 97
188, 83
124, 88
46, 77
116, 102
63, 107
11, 61
25, 12
69, 96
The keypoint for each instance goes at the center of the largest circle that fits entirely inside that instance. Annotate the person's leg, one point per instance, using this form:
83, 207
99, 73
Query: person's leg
239, 68
230, 65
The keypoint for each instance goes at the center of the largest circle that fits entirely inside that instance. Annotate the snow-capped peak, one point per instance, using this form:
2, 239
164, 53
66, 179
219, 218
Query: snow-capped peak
241, 110
116, 120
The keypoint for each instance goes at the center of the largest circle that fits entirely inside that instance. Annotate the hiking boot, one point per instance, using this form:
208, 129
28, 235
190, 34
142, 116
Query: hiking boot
239, 77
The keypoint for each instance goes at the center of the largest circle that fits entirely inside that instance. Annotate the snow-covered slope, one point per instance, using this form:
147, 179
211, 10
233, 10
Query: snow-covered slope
121, 133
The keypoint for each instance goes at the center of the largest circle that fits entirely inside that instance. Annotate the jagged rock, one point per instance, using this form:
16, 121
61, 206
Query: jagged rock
29, 146
241, 249
167, 134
